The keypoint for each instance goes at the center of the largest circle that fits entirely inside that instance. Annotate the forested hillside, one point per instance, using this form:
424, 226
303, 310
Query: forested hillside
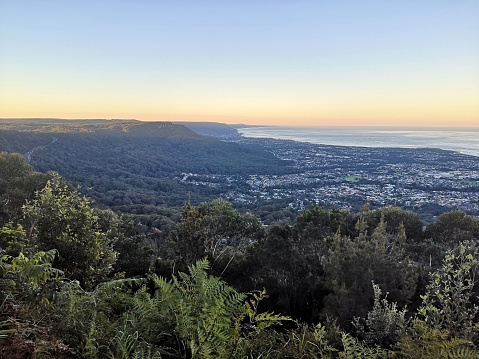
130, 165
77, 281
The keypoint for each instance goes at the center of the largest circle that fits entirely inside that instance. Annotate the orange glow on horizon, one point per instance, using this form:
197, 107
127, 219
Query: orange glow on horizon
376, 119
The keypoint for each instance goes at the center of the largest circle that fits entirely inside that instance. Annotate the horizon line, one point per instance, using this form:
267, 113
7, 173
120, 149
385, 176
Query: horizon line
398, 127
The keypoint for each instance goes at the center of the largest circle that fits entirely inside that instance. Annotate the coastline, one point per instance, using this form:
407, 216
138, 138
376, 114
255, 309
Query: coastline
460, 141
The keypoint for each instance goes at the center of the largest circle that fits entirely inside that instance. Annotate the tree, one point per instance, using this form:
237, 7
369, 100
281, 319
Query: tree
60, 218
213, 229
396, 217
135, 257
317, 223
314, 228
18, 183
452, 228
352, 264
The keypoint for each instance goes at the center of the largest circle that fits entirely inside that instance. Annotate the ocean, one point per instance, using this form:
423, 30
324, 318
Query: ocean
460, 140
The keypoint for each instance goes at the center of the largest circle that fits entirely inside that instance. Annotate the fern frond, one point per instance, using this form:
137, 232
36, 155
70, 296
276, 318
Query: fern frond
147, 353
354, 349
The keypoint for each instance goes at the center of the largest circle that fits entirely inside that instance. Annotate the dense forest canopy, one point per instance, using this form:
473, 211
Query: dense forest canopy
133, 166
78, 281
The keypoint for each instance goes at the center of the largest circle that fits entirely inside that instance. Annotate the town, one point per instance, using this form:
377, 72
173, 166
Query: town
428, 181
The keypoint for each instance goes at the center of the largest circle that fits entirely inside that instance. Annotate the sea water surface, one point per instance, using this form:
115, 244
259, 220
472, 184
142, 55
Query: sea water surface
460, 140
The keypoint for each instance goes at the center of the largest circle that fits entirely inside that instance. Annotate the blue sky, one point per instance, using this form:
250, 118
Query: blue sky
263, 62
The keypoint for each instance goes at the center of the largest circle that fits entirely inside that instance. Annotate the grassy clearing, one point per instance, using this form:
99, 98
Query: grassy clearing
352, 178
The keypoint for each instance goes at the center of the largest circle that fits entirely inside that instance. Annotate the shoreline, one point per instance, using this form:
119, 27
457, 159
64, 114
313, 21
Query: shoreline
338, 137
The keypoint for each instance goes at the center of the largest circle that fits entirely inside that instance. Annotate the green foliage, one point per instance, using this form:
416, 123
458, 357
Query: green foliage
204, 308
445, 233
132, 335
35, 270
208, 317
352, 264
251, 324
384, 325
395, 217
6, 284
188, 240
309, 342
453, 227
322, 267
290, 274
225, 225
212, 229
13, 239
18, 183
23, 278
77, 320
134, 254
301, 341
126, 345
62, 219
316, 224
354, 349
139, 162
447, 303
426, 342
25, 305
90, 320
256, 320
151, 320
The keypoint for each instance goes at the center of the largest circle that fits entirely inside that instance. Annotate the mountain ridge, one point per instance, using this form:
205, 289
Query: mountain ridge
130, 162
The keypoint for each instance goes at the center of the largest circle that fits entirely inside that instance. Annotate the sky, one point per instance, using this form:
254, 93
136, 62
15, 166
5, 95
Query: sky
263, 62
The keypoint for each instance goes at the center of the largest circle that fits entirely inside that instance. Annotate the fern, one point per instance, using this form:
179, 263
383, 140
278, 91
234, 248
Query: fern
353, 349
36, 269
462, 352
250, 324
129, 344
205, 308
208, 317
123, 344
146, 354
261, 321
426, 342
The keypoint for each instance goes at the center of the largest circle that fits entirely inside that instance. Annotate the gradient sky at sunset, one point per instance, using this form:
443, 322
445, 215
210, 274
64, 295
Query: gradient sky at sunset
323, 63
